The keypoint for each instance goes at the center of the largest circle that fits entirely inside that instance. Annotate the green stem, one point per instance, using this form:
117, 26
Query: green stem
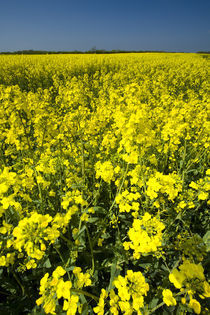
61, 170
4, 293
83, 161
40, 191
20, 284
190, 162
144, 184
83, 177
177, 217
91, 249
61, 257
183, 162
26, 134
85, 293
155, 308
66, 239
112, 205
119, 190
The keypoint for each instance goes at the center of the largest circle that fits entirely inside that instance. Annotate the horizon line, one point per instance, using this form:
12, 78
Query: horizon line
92, 51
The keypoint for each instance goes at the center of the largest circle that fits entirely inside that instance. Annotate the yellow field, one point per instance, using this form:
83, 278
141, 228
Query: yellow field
104, 184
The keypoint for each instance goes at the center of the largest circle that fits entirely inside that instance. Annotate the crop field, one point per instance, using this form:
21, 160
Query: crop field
104, 184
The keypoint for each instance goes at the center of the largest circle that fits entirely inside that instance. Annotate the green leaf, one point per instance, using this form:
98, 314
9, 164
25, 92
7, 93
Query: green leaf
114, 273
153, 303
47, 263
93, 219
206, 240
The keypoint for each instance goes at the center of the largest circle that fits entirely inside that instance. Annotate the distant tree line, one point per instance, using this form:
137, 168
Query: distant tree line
91, 51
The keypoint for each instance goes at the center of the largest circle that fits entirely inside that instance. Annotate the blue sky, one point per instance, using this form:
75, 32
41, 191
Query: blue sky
178, 25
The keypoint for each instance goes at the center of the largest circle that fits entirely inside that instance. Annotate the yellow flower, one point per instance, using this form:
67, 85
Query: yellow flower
31, 264
52, 193
105, 171
145, 235
40, 300
99, 309
168, 298
44, 280
125, 307
3, 261
113, 302
194, 185
195, 305
100, 241
49, 306
176, 278
58, 272
203, 195
206, 287
63, 289
84, 217
131, 289
83, 279
70, 306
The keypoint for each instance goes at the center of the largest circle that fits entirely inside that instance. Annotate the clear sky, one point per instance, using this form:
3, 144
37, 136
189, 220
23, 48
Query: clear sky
170, 25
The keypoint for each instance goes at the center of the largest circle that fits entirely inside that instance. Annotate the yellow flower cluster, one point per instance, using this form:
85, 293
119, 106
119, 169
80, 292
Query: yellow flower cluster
129, 298
145, 235
82, 279
99, 309
32, 235
54, 288
61, 220
74, 197
8, 180
191, 247
105, 171
6, 257
202, 186
131, 290
128, 201
165, 184
190, 279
